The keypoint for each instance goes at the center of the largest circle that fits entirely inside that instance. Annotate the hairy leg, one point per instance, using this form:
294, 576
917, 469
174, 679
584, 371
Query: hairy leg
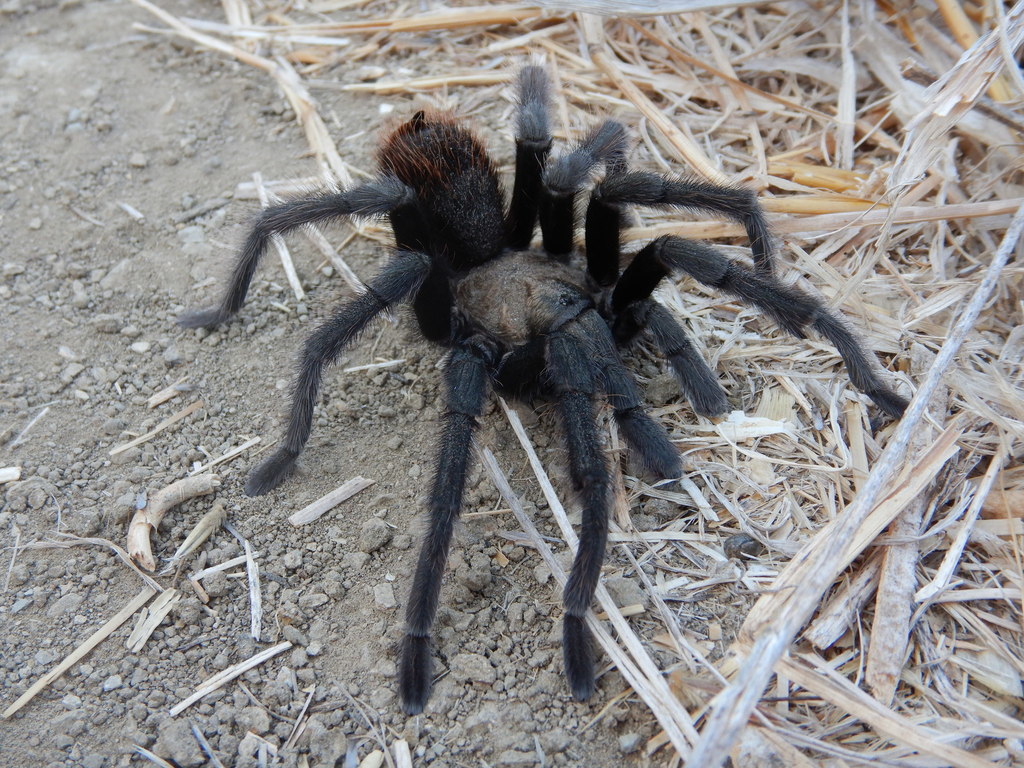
605, 145
374, 198
645, 437
533, 144
644, 188
398, 280
793, 309
466, 381
573, 381
695, 376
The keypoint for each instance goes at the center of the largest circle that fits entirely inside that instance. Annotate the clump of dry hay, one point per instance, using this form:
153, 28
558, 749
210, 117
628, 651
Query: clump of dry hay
884, 138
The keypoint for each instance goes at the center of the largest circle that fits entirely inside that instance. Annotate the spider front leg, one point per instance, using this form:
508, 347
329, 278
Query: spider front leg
399, 279
790, 307
573, 380
377, 197
533, 143
466, 384
563, 179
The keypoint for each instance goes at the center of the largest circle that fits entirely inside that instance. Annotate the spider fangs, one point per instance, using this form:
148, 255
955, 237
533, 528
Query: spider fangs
529, 321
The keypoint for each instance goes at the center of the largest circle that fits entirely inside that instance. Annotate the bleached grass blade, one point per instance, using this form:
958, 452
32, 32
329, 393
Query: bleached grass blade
150, 618
229, 674
345, 491
79, 653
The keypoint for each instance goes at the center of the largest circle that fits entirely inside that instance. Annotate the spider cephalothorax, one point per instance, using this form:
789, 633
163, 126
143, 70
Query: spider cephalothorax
542, 321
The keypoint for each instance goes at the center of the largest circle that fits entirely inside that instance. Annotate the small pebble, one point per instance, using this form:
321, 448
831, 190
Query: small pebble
384, 596
629, 743
473, 667
112, 683
374, 534
313, 600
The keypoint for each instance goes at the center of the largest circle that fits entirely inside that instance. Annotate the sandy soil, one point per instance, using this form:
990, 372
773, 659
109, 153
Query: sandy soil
97, 121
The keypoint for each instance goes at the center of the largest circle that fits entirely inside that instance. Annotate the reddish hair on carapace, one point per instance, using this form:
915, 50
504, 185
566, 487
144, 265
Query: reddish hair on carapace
455, 182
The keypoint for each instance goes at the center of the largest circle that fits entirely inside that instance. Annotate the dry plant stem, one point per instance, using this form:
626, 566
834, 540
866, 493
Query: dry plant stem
952, 96
76, 655
403, 757
170, 420
228, 675
843, 608
815, 675
255, 593
300, 723
208, 524
594, 34
154, 759
205, 745
325, 503
830, 222
147, 519
965, 34
733, 706
150, 618
68, 540
940, 581
238, 450
649, 683
894, 600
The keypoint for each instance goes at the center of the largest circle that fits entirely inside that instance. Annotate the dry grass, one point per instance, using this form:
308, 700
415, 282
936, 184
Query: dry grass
884, 138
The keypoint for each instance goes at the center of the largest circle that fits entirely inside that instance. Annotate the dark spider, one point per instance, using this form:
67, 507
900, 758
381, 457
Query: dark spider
529, 322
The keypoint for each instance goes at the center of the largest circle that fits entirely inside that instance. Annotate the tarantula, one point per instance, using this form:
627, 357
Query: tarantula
529, 321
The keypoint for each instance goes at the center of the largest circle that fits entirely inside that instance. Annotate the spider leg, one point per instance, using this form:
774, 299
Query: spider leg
606, 144
533, 143
695, 376
790, 307
375, 198
466, 380
397, 281
644, 188
573, 381
646, 437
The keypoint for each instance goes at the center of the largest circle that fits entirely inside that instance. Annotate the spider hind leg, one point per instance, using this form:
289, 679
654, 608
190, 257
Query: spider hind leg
466, 387
574, 381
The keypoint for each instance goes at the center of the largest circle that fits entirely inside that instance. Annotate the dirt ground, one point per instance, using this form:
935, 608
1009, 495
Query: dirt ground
120, 154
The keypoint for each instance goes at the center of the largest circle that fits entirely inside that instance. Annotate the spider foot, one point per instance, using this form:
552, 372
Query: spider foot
271, 472
709, 402
202, 318
578, 652
657, 455
889, 402
415, 675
